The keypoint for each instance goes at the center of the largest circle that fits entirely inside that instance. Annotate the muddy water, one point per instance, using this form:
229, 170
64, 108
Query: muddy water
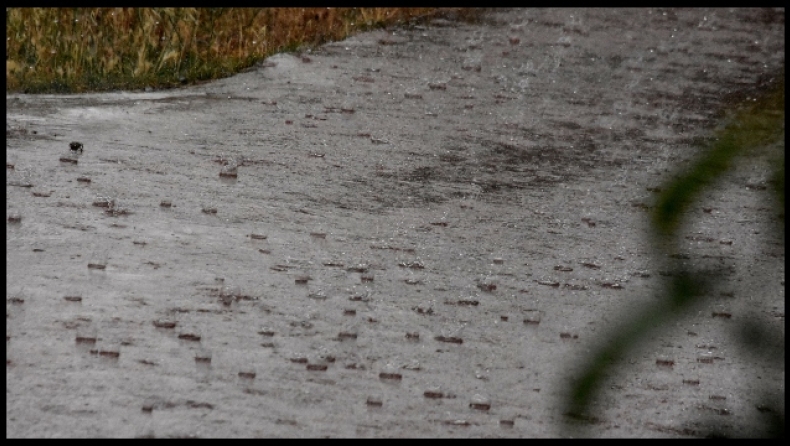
412, 232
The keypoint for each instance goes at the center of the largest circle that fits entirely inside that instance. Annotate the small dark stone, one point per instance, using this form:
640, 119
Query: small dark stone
76, 146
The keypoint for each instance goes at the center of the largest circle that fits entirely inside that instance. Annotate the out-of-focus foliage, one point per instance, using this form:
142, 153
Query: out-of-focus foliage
754, 125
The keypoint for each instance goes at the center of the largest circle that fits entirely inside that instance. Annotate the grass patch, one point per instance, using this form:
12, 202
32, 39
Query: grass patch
70, 50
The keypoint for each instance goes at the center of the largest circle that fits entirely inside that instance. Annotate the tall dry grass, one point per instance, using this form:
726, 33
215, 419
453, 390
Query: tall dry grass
81, 49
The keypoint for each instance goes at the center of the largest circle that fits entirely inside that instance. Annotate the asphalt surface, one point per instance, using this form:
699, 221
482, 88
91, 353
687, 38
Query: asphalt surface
415, 232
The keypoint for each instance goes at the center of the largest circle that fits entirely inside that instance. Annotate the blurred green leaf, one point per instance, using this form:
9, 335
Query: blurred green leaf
753, 125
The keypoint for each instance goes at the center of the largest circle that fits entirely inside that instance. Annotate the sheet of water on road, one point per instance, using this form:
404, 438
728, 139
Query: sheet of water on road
426, 227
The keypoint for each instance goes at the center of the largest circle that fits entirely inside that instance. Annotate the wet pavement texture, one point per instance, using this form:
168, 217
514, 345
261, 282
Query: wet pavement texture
412, 232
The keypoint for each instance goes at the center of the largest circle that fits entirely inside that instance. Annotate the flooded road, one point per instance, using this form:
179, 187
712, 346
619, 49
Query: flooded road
412, 232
